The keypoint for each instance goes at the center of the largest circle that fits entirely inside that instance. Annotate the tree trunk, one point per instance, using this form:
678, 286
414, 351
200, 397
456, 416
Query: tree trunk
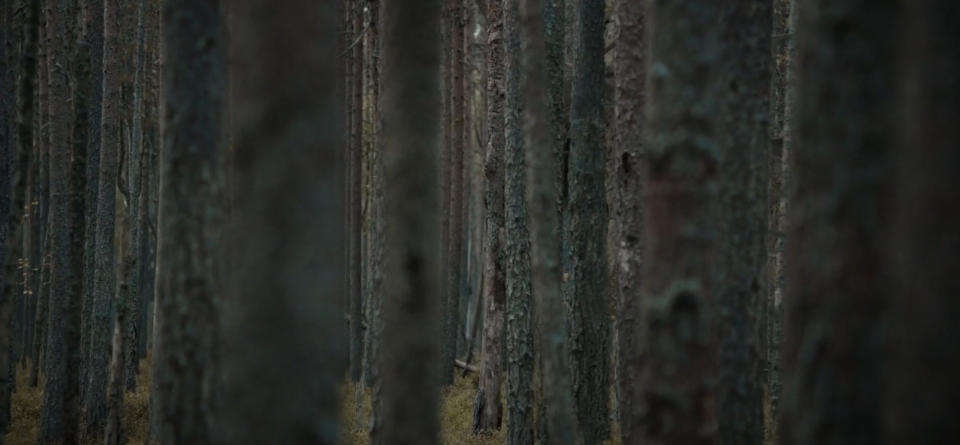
105, 276
629, 96
287, 299
454, 252
922, 355
186, 366
843, 121
7, 104
408, 390
61, 410
584, 232
680, 231
542, 85
517, 246
355, 185
488, 412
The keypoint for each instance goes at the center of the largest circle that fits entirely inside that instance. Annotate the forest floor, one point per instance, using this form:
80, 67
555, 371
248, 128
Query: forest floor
456, 415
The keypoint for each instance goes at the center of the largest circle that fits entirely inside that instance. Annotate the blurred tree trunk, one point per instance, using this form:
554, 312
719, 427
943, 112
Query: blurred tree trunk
629, 96
517, 245
746, 68
488, 411
836, 279
7, 212
286, 297
681, 181
186, 367
921, 388
40, 130
541, 38
115, 429
584, 231
408, 389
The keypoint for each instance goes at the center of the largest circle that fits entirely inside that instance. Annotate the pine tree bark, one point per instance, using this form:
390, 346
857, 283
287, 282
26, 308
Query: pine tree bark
186, 365
629, 98
835, 307
584, 231
105, 275
488, 412
408, 389
61, 410
517, 246
922, 360
683, 151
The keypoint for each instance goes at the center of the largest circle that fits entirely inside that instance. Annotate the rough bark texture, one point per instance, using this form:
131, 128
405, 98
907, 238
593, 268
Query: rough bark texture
584, 231
488, 411
746, 71
185, 365
517, 246
922, 356
67, 187
408, 391
287, 297
843, 121
680, 224
454, 253
105, 275
542, 84
629, 94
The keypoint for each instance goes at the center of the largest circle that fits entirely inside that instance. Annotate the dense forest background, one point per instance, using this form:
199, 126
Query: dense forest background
559, 222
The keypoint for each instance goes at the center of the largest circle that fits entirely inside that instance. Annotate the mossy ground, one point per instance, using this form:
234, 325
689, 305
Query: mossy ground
456, 413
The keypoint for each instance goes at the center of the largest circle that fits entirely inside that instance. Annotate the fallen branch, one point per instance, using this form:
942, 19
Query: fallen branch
466, 366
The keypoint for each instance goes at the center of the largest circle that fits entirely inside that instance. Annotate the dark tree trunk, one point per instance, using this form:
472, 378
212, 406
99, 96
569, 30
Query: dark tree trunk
683, 149
286, 297
354, 187
457, 148
7, 212
629, 95
488, 412
922, 354
61, 410
584, 232
105, 275
185, 366
408, 390
542, 86
517, 246
844, 118
746, 70
93, 15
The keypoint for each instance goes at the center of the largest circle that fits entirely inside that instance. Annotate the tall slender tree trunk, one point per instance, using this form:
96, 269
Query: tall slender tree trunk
923, 359
844, 120
542, 86
629, 99
683, 150
354, 187
186, 367
105, 279
517, 246
93, 16
7, 104
61, 411
454, 252
488, 412
584, 231
408, 388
